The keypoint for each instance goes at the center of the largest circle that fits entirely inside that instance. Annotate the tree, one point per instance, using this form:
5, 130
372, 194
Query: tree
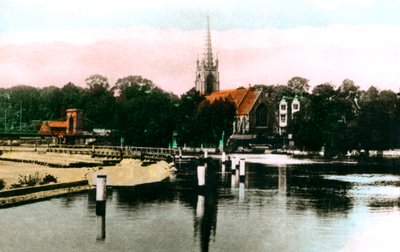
145, 114
97, 81
187, 125
348, 88
215, 118
298, 84
99, 103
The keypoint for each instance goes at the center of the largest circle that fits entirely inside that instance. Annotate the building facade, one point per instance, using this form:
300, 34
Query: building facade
64, 130
207, 75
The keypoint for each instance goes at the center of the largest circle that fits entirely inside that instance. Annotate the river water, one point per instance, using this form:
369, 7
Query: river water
301, 206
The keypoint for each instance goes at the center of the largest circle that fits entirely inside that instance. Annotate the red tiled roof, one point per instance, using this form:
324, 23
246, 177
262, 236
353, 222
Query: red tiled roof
244, 98
57, 124
248, 102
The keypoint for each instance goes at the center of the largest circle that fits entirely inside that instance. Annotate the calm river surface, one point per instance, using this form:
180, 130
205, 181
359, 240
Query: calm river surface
297, 207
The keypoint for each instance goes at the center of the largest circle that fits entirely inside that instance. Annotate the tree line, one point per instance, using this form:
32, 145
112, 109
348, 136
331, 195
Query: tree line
133, 108
345, 118
340, 119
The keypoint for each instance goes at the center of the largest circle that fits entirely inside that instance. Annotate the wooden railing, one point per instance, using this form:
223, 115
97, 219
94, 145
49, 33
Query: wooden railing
116, 151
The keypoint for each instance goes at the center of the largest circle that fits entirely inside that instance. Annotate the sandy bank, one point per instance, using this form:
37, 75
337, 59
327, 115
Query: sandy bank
10, 172
130, 172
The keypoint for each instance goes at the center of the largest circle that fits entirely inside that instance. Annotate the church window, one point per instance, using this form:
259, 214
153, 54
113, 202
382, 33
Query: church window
283, 107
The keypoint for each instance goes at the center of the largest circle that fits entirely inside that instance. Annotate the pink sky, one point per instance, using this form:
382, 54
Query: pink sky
367, 54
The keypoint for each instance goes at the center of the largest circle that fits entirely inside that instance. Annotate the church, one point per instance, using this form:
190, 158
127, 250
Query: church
254, 114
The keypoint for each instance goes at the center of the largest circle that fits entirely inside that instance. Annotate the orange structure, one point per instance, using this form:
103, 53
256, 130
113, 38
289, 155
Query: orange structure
251, 110
71, 127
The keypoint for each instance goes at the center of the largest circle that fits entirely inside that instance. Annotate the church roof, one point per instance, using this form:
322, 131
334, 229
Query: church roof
244, 98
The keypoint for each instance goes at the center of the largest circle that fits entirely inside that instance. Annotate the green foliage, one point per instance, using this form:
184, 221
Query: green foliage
298, 84
347, 118
30, 180
48, 178
35, 179
202, 122
145, 115
135, 108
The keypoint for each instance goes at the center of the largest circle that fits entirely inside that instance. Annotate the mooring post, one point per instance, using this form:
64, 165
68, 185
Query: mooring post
233, 164
242, 169
223, 157
180, 152
237, 161
101, 185
233, 180
201, 176
237, 177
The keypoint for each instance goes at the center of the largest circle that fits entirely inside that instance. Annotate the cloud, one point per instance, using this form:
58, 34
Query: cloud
367, 54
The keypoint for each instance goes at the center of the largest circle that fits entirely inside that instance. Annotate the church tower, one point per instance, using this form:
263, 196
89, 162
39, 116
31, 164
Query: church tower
207, 76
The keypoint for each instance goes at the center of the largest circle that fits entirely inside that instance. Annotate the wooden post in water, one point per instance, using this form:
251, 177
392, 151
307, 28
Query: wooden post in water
201, 176
233, 180
242, 169
233, 164
223, 157
101, 185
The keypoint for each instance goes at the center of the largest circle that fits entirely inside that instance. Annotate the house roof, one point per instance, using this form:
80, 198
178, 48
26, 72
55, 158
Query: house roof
57, 124
244, 98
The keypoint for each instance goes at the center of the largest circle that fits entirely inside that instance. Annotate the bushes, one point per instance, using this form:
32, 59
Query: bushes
35, 179
48, 178
2, 184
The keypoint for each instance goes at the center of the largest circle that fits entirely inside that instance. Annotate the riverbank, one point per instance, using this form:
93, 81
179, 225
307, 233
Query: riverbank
129, 172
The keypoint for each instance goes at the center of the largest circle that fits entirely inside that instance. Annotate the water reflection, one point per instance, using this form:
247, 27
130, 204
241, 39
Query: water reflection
282, 179
101, 227
241, 192
318, 207
205, 221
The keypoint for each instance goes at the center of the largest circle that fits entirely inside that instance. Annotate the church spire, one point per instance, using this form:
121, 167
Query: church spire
207, 76
209, 54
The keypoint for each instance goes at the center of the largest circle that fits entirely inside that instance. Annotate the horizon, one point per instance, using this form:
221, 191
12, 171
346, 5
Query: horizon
51, 44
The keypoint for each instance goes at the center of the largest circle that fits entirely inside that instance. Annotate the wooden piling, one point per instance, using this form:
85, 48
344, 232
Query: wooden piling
101, 185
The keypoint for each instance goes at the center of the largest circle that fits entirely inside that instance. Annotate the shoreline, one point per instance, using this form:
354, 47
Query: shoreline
128, 172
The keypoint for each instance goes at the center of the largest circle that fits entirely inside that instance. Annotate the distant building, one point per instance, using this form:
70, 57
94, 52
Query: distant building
256, 116
71, 127
288, 106
207, 75
252, 115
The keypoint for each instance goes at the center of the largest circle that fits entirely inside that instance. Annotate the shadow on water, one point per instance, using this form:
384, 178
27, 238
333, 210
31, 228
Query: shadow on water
304, 186
148, 193
203, 202
296, 187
